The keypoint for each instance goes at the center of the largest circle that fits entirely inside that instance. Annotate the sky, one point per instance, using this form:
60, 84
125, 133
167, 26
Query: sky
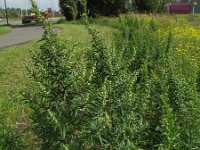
43, 4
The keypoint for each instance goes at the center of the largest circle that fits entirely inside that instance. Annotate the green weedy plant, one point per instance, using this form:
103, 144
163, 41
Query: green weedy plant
162, 93
198, 82
81, 99
10, 139
130, 96
57, 83
114, 123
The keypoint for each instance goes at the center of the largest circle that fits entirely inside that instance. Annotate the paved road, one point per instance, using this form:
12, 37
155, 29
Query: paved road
17, 22
20, 35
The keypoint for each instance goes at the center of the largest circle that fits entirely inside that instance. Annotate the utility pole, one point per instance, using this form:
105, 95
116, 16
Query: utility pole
21, 12
26, 7
6, 11
52, 8
194, 3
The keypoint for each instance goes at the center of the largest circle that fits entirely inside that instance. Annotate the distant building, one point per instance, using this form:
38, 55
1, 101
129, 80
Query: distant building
180, 8
197, 8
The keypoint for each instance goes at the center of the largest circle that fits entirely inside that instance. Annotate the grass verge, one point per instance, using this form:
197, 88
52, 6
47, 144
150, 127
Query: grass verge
5, 29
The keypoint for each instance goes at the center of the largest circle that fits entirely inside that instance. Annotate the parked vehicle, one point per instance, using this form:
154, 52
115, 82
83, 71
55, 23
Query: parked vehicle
32, 17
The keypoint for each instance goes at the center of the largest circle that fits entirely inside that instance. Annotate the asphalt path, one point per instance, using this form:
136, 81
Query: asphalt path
20, 35
17, 22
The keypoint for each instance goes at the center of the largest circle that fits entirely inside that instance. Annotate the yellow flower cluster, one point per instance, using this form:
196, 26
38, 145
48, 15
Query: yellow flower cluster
187, 31
186, 36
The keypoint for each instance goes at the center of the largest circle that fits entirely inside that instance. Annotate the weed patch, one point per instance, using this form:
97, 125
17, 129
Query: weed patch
133, 95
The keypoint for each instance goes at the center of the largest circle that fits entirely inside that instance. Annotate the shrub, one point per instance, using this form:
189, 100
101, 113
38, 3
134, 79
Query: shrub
73, 9
129, 96
74, 102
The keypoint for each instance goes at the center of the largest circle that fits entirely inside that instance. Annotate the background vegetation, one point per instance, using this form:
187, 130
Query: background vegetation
73, 9
12, 12
150, 6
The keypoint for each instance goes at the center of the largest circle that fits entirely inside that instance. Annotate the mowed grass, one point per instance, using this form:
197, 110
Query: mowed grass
14, 76
5, 29
78, 33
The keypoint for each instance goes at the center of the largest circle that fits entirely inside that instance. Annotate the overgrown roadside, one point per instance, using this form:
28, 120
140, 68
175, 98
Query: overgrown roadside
14, 78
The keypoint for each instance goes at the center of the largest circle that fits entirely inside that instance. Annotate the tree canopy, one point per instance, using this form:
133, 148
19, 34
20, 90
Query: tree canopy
150, 6
73, 9
106, 7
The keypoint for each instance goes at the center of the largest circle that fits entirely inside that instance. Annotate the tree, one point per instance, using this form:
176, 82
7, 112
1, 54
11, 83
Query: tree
73, 9
106, 7
150, 5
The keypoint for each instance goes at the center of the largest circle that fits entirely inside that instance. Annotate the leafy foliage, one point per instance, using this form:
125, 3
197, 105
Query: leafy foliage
73, 9
10, 139
106, 7
12, 13
198, 82
129, 96
150, 6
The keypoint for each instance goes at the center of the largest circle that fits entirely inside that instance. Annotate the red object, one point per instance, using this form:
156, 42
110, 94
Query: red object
45, 14
50, 11
180, 8
29, 18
